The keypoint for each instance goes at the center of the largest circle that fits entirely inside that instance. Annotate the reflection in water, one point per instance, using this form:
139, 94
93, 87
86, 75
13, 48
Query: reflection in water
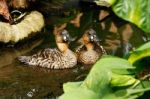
127, 34
118, 40
7, 56
20, 81
35, 82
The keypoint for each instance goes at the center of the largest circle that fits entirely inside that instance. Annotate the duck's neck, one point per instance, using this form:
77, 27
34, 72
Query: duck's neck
89, 46
63, 47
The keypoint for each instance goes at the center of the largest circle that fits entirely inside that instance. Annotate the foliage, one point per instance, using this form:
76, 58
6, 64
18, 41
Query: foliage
139, 53
135, 11
110, 78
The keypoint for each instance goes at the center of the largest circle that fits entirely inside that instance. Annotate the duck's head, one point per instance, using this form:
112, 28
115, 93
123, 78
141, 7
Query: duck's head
64, 37
90, 37
62, 40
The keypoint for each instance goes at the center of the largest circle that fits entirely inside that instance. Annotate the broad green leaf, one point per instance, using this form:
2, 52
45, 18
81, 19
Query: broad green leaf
124, 71
122, 80
143, 84
103, 74
110, 96
144, 47
100, 75
134, 11
80, 93
71, 86
139, 53
97, 80
128, 93
114, 63
133, 92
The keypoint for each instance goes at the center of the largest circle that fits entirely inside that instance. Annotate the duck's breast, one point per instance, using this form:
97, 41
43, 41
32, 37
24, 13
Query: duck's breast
70, 59
88, 57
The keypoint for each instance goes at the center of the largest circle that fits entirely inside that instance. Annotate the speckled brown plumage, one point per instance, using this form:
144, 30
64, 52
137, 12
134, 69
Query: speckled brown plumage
51, 58
58, 58
90, 50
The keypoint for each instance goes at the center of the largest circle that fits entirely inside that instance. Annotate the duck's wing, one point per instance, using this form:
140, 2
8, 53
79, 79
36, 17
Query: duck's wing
46, 54
42, 58
99, 48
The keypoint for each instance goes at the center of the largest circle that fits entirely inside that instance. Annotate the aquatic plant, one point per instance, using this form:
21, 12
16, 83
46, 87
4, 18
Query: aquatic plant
111, 78
135, 11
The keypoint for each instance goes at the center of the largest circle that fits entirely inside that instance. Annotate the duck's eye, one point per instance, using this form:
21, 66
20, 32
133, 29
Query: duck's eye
91, 38
65, 38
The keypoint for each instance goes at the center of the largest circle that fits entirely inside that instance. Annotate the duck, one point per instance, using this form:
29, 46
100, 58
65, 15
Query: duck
57, 58
90, 49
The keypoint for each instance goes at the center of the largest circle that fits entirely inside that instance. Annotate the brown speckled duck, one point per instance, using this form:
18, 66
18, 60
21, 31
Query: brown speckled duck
58, 58
90, 50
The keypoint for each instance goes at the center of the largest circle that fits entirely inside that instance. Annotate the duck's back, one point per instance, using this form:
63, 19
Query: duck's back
50, 58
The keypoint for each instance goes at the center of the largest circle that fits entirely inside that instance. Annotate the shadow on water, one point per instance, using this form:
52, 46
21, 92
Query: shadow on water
20, 81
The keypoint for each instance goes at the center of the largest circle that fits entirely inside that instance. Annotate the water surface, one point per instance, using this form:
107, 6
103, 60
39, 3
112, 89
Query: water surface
18, 81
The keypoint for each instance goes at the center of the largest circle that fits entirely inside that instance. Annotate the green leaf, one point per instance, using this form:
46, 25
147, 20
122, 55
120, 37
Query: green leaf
106, 72
134, 92
110, 96
97, 82
99, 78
134, 11
71, 86
122, 80
144, 47
101, 73
80, 93
124, 71
105, 2
128, 93
114, 63
143, 84
139, 53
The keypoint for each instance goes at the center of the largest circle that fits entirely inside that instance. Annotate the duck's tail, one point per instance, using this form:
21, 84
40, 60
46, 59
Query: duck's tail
27, 60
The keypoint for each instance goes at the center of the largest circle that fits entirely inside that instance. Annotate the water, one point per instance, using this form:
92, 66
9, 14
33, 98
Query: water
18, 81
